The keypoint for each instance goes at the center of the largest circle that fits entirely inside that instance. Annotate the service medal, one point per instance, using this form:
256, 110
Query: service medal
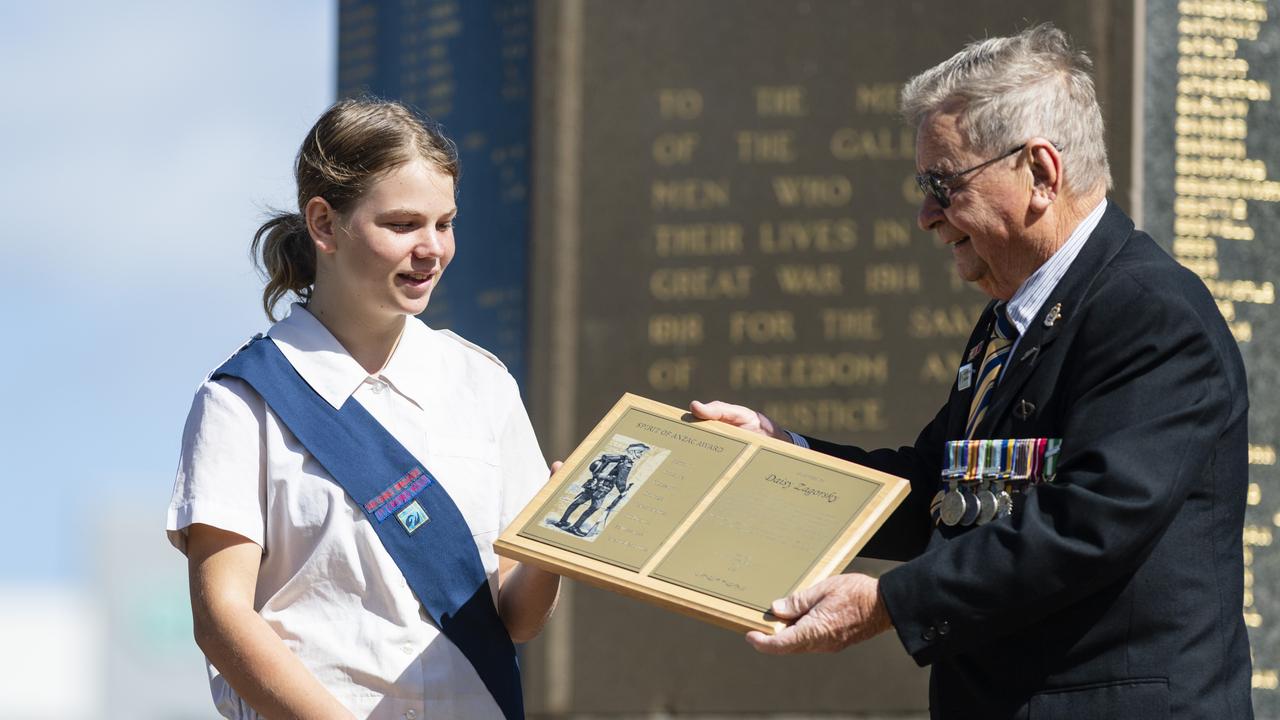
986, 506
1004, 504
953, 507
970, 507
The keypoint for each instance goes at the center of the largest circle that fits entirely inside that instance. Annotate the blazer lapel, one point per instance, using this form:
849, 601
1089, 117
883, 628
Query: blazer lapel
1059, 310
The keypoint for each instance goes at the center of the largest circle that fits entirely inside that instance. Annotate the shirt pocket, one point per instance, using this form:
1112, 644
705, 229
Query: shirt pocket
468, 469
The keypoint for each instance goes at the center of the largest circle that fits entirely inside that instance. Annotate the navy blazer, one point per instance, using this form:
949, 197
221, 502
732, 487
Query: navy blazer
1117, 590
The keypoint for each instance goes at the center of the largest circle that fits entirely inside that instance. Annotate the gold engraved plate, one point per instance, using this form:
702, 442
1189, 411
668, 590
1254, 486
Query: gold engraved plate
777, 513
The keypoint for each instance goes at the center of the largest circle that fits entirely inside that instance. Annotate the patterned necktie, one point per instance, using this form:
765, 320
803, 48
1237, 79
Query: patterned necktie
1003, 334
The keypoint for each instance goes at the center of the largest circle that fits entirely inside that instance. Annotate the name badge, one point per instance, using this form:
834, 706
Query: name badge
965, 377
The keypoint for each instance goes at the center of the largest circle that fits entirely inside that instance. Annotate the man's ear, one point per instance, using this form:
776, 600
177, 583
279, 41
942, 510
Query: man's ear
321, 219
1045, 163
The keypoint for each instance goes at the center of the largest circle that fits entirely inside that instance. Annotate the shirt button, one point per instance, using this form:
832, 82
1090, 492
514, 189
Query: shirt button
408, 649
379, 386
944, 627
930, 634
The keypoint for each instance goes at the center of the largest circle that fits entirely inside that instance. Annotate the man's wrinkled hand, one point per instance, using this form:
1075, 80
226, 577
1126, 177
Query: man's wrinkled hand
738, 416
827, 617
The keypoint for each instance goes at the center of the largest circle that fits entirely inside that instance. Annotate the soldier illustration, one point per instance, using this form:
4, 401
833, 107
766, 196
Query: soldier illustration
608, 472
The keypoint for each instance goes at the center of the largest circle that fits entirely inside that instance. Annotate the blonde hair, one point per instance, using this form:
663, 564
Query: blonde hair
353, 144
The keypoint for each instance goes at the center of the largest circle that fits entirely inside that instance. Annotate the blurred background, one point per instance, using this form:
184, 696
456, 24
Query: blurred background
677, 198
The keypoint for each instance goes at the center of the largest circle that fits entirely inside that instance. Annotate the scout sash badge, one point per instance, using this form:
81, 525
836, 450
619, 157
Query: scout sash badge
415, 519
980, 475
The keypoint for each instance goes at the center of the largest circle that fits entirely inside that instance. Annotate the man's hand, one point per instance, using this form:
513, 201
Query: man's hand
830, 616
738, 416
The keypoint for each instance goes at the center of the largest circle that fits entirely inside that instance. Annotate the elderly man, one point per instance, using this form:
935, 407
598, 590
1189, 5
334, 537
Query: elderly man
1101, 580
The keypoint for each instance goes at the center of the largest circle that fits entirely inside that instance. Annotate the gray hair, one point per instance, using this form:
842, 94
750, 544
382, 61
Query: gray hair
1011, 89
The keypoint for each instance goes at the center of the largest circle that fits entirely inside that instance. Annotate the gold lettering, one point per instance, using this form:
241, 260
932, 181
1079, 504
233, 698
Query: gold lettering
1243, 291
880, 98
828, 416
811, 370
824, 279
952, 321
940, 367
762, 327
1234, 129
808, 235
851, 323
698, 239
781, 101
690, 194
1262, 454
775, 146
1224, 9
672, 373
701, 283
1242, 331
1219, 28
893, 279
679, 103
1192, 247
890, 234
879, 144
1263, 679
675, 148
812, 190
684, 329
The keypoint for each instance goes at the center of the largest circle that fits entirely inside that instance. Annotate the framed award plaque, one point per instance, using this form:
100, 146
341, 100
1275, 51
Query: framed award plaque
698, 516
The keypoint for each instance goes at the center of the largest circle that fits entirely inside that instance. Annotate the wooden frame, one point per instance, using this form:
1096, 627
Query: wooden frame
705, 519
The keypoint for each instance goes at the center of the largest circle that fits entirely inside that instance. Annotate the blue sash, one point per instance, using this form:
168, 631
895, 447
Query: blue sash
414, 517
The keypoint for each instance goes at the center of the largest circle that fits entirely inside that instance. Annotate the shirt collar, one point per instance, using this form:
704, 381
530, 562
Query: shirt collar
1026, 302
415, 361
331, 371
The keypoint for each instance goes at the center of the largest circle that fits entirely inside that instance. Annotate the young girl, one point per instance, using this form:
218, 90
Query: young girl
342, 480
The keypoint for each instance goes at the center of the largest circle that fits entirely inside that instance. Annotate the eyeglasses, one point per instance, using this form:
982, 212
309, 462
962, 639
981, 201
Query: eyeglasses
939, 186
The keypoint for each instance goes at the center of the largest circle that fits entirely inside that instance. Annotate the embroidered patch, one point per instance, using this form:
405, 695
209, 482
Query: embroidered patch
413, 517
404, 496
395, 488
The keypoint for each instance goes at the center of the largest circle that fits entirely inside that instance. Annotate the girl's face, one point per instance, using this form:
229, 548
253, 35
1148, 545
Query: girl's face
389, 251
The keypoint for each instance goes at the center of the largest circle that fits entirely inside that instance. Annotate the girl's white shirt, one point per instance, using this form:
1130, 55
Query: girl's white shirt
326, 585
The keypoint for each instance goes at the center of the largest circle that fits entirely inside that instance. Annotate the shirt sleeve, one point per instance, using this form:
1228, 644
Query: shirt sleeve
524, 469
222, 466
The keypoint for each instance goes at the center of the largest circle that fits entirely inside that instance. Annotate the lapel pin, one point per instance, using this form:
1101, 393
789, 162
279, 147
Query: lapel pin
1024, 409
1054, 315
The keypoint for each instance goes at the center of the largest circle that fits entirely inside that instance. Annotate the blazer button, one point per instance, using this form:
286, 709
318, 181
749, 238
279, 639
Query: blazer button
944, 627
930, 634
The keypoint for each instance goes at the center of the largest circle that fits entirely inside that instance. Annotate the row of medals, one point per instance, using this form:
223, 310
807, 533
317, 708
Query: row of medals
980, 474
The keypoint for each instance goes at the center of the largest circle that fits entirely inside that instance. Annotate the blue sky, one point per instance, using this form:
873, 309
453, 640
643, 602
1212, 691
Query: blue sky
141, 143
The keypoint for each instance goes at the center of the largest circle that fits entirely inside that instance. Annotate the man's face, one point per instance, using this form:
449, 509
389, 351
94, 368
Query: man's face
635, 453
983, 226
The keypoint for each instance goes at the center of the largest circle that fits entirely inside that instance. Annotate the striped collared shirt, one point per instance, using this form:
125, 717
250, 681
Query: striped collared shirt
1026, 302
